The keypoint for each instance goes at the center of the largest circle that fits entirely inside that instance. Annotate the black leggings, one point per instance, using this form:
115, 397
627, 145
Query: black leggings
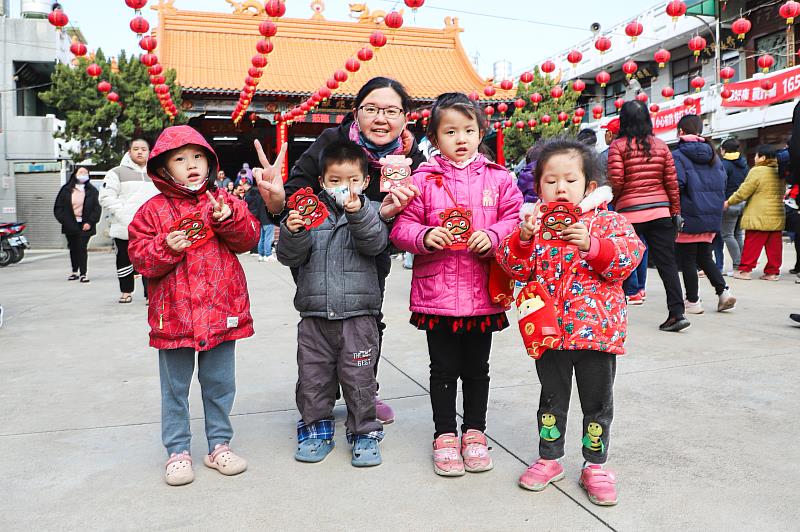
698, 255
454, 356
125, 271
78, 254
660, 237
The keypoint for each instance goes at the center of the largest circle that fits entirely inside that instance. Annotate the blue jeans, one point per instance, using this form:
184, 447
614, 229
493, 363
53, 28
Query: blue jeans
216, 373
265, 243
637, 279
718, 246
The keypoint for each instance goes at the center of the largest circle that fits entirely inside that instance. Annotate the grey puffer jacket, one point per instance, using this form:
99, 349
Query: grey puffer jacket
337, 277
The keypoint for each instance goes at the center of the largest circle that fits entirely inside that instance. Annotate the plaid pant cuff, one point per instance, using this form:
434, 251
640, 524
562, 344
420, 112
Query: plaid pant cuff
321, 430
374, 435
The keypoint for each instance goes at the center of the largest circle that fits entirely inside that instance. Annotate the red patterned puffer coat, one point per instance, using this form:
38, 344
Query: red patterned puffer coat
198, 298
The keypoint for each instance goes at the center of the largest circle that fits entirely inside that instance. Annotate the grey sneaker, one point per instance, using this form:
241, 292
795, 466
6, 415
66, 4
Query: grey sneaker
726, 301
693, 308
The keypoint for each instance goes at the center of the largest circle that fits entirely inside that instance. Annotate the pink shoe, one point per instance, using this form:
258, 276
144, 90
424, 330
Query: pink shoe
447, 462
383, 412
600, 485
540, 474
475, 452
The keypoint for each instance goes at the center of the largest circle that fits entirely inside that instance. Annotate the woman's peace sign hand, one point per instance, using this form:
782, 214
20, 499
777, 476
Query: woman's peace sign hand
269, 179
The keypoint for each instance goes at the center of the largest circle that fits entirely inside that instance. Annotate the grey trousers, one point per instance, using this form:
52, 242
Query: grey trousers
332, 353
732, 234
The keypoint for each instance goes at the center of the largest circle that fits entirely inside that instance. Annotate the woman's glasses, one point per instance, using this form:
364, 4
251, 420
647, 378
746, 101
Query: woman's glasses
391, 113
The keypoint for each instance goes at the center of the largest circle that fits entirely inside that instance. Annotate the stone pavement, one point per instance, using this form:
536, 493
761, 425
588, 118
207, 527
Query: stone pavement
703, 436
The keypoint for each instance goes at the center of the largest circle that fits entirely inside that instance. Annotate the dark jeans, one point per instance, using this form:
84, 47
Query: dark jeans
719, 251
698, 255
125, 271
793, 224
453, 356
594, 374
637, 280
78, 254
660, 237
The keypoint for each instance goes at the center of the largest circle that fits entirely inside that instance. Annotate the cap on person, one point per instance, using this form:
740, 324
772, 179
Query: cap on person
612, 126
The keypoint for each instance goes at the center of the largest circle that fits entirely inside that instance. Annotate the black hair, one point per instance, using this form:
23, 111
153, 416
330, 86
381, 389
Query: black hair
587, 136
531, 154
635, 124
343, 151
767, 150
693, 125
73, 178
384, 83
730, 145
456, 101
139, 138
560, 145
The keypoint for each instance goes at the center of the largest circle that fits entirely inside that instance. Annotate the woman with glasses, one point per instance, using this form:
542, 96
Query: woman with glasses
378, 125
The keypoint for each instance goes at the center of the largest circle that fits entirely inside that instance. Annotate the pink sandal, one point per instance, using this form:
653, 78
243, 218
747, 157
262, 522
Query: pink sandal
179, 469
225, 461
475, 451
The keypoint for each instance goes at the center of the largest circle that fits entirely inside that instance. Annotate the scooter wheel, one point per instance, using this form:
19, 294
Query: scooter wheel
17, 254
5, 257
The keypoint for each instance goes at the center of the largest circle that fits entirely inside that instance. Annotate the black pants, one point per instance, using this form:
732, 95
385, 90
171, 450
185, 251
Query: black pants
793, 224
78, 254
594, 373
125, 271
660, 237
698, 255
454, 356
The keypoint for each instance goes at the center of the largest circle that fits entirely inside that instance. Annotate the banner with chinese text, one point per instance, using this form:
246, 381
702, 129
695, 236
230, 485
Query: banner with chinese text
668, 119
749, 93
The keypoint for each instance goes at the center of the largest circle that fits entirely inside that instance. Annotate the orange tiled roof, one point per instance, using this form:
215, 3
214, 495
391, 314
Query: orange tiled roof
212, 52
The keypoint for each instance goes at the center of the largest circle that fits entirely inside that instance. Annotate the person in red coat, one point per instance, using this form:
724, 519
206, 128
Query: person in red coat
185, 241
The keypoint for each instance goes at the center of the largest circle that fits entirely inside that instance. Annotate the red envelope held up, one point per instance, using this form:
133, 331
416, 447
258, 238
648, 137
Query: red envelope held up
557, 216
395, 172
458, 221
313, 211
195, 228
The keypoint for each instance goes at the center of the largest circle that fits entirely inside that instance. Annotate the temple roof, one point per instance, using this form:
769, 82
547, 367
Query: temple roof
211, 52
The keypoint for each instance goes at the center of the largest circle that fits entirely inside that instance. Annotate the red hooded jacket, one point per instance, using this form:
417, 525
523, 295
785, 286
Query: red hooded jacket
198, 297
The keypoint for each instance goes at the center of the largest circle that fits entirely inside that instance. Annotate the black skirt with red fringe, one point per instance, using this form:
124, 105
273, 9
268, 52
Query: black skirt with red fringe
458, 325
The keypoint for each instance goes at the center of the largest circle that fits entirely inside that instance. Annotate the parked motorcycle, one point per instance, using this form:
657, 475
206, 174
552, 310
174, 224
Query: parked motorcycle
12, 243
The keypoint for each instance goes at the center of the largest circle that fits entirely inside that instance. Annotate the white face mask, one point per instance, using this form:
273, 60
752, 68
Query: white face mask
82, 178
341, 193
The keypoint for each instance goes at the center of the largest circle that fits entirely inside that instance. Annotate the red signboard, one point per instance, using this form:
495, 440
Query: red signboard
667, 119
749, 93
321, 118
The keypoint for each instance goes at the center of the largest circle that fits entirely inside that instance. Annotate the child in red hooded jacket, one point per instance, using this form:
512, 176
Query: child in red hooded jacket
185, 241
579, 264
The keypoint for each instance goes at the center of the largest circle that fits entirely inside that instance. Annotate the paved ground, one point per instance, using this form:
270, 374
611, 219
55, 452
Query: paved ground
704, 435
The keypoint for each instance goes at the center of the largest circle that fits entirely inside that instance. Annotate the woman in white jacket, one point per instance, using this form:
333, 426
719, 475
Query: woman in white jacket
126, 188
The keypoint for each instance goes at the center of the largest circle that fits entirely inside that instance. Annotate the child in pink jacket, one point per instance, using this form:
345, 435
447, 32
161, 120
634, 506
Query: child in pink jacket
465, 207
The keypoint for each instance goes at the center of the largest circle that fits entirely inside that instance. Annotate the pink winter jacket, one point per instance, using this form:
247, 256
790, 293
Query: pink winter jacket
456, 283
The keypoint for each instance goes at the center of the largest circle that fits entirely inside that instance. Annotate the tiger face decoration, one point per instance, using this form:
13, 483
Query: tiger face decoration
458, 221
557, 216
194, 228
313, 211
395, 172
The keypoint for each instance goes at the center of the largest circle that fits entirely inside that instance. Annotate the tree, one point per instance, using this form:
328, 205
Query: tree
518, 141
103, 129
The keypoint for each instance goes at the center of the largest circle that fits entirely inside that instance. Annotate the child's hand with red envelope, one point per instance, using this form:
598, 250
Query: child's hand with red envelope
577, 234
178, 241
295, 221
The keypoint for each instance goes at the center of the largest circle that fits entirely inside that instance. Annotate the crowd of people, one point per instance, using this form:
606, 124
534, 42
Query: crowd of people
568, 242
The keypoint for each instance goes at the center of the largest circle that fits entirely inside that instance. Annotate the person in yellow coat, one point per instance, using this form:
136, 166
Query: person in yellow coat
763, 218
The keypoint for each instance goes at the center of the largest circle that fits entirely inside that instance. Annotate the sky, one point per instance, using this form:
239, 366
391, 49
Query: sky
542, 28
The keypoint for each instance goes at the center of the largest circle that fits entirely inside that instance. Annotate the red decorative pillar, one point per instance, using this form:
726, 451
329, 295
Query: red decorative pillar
501, 158
281, 136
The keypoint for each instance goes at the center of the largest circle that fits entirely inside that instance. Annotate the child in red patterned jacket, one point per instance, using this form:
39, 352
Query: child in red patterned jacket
580, 267
185, 241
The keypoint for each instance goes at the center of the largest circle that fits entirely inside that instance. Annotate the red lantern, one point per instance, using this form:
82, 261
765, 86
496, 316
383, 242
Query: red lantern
58, 18
676, 9
602, 78
104, 86
507, 123
577, 120
324, 93
275, 8
414, 116
642, 97
254, 72
698, 83
502, 107
654, 108
267, 28
634, 29
667, 92
155, 70
546, 119
602, 44
489, 91
726, 93
519, 103
580, 111
563, 117
688, 102
250, 80
377, 39
259, 61
489, 110
415, 4
662, 57
765, 62
741, 26
264, 46
578, 85
148, 43
532, 123
352, 65
393, 20
548, 67
526, 77
619, 102
305, 107
148, 59
574, 57
629, 67
249, 90
161, 89
767, 84
789, 11
474, 96
726, 74
332, 84
136, 4
94, 70
78, 49
139, 25
556, 92
520, 125
506, 84
157, 80
697, 44
597, 110
536, 99
365, 54
340, 76
112, 97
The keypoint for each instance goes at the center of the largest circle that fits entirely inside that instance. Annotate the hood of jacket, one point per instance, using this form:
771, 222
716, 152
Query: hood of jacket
601, 197
736, 159
170, 139
698, 152
439, 165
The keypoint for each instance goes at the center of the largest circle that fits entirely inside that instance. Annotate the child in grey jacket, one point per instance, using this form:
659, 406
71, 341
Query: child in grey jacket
338, 297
